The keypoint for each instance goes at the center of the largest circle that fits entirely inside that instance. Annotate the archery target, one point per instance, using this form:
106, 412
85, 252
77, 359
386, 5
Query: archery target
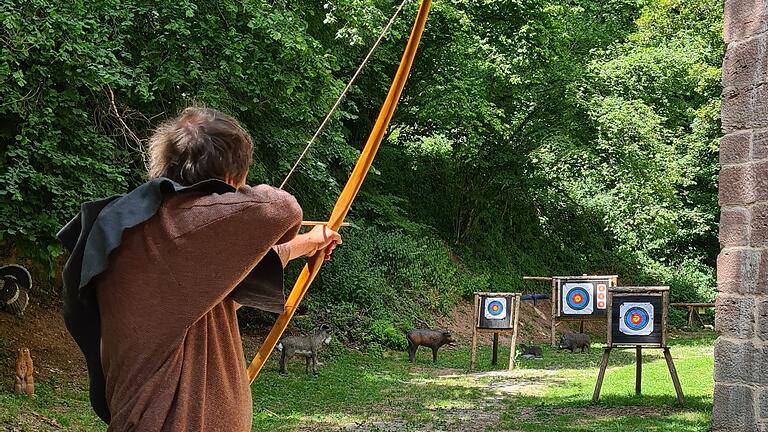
578, 298
636, 319
495, 308
602, 295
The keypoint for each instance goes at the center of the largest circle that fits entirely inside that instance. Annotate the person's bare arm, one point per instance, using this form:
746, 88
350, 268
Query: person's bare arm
319, 238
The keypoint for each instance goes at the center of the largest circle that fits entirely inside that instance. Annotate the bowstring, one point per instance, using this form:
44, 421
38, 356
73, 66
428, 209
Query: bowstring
344, 92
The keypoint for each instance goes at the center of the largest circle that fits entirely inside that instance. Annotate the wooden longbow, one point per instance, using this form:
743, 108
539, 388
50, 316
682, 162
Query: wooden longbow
348, 194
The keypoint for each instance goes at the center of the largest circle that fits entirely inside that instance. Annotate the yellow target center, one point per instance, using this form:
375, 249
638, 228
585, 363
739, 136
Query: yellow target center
635, 319
577, 298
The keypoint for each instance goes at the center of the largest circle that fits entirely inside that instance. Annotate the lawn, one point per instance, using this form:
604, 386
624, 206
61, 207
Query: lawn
382, 391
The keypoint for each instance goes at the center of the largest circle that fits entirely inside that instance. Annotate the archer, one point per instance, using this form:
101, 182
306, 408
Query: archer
156, 276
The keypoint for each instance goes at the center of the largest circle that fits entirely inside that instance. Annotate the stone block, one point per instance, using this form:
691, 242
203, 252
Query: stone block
734, 361
759, 174
735, 148
759, 144
738, 270
763, 405
758, 225
743, 63
744, 18
736, 185
735, 316
734, 227
762, 320
744, 108
734, 408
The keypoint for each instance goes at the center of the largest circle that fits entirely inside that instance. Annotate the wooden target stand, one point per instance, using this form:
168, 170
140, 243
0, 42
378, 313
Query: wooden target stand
558, 314
509, 324
622, 301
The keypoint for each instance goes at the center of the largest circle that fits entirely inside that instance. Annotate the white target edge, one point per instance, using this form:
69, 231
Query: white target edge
589, 288
502, 314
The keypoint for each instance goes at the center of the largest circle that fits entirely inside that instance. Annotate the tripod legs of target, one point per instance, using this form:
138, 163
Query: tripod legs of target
675, 379
639, 373
601, 375
495, 358
475, 317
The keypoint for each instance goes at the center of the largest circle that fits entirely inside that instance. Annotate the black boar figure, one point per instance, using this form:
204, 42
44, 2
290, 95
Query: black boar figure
574, 341
531, 352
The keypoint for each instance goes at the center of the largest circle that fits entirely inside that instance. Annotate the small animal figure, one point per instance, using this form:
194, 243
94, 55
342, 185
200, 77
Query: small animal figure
304, 346
429, 338
531, 352
574, 341
15, 282
25, 381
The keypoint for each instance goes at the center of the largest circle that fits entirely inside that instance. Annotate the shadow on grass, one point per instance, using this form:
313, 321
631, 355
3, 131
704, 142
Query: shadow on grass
458, 358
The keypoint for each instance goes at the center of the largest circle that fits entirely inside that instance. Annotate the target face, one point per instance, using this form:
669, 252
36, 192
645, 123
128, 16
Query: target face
636, 319
495, 308
602, 294
577, 298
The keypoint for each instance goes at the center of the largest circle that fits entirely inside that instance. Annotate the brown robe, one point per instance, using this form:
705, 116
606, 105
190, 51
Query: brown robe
171, 348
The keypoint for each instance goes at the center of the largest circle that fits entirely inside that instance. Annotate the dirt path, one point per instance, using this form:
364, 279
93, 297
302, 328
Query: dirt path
474, 414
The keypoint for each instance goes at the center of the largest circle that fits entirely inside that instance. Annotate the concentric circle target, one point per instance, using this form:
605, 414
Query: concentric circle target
636, 318
495, 308
577, 298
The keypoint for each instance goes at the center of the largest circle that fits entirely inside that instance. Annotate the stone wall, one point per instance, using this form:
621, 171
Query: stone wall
741, 350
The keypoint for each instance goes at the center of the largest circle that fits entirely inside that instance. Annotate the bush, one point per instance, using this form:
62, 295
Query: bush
382, 332
380, 284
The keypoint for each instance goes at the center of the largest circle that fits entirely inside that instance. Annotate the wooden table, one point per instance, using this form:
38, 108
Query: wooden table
693, 310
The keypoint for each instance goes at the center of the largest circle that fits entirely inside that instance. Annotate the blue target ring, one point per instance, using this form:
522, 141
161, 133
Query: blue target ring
578, 298
636, 318
495, 308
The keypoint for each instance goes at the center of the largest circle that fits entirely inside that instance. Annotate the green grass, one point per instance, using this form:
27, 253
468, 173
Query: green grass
382, 391
385, 390
55, 402
567, 407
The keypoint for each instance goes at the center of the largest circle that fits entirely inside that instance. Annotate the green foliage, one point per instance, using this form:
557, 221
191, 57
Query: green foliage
381, 284
534, 136
383, 333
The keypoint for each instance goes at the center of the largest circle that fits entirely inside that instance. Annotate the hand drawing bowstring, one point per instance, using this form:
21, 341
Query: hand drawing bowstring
343, 94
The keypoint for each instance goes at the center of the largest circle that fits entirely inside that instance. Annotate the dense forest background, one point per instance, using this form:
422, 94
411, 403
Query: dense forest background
535, 137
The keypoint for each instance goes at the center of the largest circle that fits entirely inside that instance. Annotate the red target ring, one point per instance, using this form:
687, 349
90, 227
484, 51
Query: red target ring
636, 318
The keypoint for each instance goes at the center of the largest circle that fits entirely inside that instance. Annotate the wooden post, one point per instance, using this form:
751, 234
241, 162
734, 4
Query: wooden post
475, 318
495, 357
609, 308
514, 332
664, 317
581, 327
675, 379
639, 370
554, 313
601, 375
